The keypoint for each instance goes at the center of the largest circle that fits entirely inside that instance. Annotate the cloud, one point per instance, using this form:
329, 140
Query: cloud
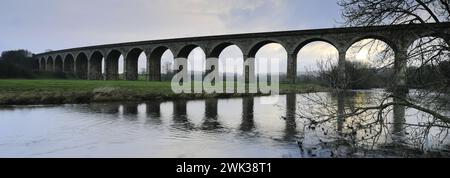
55, 24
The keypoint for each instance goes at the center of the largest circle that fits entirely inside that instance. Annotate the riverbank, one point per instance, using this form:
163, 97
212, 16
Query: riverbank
29, 92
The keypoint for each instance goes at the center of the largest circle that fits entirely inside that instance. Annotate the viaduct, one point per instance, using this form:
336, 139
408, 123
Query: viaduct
86, 62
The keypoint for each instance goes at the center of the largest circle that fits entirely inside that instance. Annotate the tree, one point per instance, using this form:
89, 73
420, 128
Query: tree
428, 61
167, 67
17, 64
167, 71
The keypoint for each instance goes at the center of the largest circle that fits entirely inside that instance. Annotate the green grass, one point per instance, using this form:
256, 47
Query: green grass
13, 91
79, 85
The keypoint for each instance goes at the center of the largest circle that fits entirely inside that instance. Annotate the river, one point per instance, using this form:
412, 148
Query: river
217, 128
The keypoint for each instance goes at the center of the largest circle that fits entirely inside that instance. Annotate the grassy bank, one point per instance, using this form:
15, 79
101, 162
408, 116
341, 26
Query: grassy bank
20, 92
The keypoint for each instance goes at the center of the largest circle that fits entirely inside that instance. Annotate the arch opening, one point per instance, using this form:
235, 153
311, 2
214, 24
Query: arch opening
231, 63
58, 64
428, 50
161, 64
186, 51
271, 59
134, 69
42, 64
369, 64
257, 47
49, 64
69, 64
196, 59
81, 65
428, 62
219, 49
112, 65
95, 66
316, 58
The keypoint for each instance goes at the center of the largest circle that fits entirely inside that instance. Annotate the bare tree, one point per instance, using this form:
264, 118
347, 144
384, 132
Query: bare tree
364, 122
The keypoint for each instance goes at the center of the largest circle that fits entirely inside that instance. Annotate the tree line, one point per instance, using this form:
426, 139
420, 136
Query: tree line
17, 64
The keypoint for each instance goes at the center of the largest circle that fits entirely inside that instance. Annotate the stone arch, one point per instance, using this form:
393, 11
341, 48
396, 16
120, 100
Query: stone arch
186, 52
49, 66
384, 39
428, 35
428, 61
368, 64
69, 64
392, 49
131, 63
95, 66
312, 40
187, 49
224, 66
262, 61
428, 49
112, 64
154, 62
217, 49
58, 64
298, 57
42, 64
81, 66
258, 45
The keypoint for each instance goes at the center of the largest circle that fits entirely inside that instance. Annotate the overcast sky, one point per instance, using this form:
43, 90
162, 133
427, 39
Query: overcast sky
39, 25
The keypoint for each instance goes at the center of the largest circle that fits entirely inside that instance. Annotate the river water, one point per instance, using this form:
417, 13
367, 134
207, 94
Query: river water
237, 127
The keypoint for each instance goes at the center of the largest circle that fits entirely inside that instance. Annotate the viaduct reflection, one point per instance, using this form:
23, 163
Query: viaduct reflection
179, 115
151, 113
290, 131
398, 123
211, 119
248, 122
130, 111
110, 108
153, 109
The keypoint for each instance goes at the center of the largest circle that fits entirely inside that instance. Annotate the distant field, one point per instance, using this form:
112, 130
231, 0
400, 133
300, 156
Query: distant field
85, 91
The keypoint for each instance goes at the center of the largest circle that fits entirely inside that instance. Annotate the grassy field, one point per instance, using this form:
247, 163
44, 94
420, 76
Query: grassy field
14, 92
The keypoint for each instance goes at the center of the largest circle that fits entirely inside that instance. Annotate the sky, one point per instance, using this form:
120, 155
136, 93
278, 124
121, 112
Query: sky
59, 24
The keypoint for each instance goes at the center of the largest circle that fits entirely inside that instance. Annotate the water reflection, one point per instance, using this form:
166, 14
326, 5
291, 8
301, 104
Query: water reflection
290, 131
181, 128
130, 111
211, 120
398, 124
153, 110
180, 118
248, 123
340, 112
111, 108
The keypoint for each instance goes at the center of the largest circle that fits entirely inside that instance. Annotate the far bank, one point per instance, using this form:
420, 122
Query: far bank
30, 92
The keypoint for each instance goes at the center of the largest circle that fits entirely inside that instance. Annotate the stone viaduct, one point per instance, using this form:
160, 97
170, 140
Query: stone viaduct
86, 62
